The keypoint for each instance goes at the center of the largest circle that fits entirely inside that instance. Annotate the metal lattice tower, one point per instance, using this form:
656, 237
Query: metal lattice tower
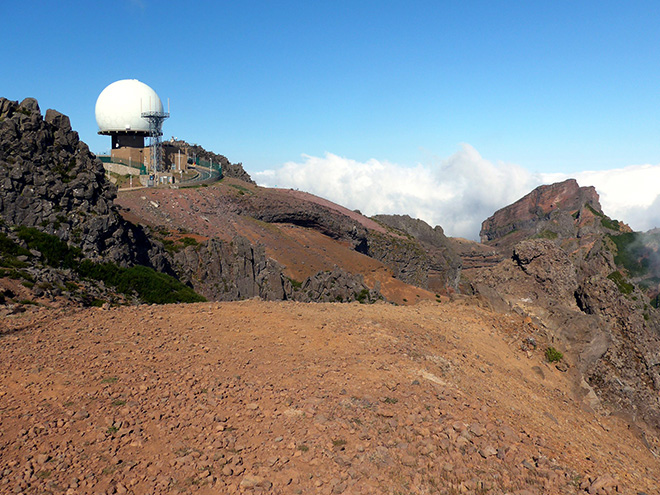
155, 120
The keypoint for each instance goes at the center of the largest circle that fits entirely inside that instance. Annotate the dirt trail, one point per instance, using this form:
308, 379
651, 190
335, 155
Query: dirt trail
261, 397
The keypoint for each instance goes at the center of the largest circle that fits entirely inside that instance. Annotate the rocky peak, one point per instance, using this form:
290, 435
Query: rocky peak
51, 181
567, 272
558, 211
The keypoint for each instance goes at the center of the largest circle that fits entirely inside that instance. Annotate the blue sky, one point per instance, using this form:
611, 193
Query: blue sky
553, 87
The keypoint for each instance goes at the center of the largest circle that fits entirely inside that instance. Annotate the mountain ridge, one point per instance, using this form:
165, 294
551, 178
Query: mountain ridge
556, 273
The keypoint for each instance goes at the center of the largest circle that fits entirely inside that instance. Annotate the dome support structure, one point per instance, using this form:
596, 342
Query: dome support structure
155, 120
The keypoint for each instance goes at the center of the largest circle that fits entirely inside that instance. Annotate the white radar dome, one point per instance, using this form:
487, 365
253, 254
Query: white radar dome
120, 105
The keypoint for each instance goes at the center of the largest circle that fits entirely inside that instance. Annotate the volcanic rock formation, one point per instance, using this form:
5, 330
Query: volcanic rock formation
563, 210
443, 265
51, 181
567, 281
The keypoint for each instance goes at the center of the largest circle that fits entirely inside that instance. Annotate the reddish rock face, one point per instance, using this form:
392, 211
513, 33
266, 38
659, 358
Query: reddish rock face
525, 217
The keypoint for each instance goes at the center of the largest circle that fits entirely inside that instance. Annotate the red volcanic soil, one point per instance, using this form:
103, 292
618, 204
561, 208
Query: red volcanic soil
286, 398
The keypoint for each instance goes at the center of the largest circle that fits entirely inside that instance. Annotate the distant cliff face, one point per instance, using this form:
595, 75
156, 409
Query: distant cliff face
51, 181
562, 210
441, 265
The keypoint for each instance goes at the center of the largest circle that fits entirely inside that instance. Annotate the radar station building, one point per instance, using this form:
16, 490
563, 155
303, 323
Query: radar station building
129, 111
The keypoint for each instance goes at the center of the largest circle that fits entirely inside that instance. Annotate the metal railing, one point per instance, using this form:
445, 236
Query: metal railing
210, 165
215, 169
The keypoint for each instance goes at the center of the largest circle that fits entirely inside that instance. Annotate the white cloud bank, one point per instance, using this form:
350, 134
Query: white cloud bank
460, 192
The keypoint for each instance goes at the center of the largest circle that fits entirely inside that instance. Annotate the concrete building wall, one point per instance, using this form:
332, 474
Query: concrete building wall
121, 169
135, 155
173, 159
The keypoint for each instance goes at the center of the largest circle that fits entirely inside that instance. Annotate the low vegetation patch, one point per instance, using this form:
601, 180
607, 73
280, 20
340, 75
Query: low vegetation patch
363, 296
610, 224
553, 355
241, 189
54, 251
605, 221
176, 245
547, 234
149, 285
622, 284
10, 248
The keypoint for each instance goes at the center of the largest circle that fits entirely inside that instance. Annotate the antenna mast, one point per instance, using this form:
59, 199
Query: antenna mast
156, 120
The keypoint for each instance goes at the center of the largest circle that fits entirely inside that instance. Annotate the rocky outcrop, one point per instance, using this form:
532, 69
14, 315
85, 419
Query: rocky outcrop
474, 256
416, 253
229, 169
569, 277
559, 211
302, 213
51, 181
443, 264
606, 325
336, 285
404, 255
229, 271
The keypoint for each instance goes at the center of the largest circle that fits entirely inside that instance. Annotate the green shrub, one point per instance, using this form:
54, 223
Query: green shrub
9, 251
171, 246
9, 247
54, 251
547, 234
11, 262
149, 285
655, 302
189, 241
553, 355
363, 296
622, 284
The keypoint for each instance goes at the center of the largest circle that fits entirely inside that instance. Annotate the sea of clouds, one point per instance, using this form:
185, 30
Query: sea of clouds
461, 191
